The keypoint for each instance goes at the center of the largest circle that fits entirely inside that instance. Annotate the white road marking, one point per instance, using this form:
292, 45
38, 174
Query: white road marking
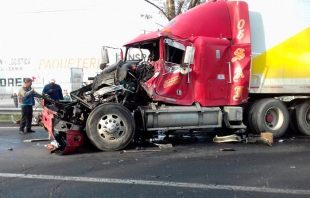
158, 183
17, 127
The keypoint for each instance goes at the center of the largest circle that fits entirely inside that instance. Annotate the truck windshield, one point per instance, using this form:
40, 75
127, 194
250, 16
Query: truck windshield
147, 51
137, 54
174, 51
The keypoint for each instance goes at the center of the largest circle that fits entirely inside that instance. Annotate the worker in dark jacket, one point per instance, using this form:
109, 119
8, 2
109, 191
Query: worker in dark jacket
53, 90
15, 99
27, 94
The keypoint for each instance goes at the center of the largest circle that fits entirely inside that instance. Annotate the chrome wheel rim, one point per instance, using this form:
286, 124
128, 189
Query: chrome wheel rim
111, 127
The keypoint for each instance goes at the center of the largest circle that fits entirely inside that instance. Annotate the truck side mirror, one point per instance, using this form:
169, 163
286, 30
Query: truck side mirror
189, 55
104, 55
121, 55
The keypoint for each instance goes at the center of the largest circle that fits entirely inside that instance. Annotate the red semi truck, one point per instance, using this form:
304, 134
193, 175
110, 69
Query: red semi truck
197, 72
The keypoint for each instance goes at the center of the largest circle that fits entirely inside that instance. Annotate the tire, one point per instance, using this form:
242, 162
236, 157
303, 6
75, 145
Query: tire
293, 123
110, 127
303, 117
270, 115
247, 115
292, 112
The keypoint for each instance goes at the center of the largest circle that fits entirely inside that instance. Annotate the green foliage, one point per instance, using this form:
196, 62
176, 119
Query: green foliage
9, 117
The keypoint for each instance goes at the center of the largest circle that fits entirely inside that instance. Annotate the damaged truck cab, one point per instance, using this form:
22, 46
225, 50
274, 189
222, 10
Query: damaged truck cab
201, 69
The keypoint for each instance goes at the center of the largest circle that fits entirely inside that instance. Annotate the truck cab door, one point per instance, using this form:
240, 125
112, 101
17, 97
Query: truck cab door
171, 82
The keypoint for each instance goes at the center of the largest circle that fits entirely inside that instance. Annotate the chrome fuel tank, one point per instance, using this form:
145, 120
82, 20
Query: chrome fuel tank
180, 117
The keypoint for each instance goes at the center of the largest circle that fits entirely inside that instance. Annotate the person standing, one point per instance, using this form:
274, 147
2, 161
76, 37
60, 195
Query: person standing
66, 96
53, 90
15, 99
27, 94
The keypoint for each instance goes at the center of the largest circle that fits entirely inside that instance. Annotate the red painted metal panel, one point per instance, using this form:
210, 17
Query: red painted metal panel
240, 65
74, 139
241, 51
220, 33
145, 37
211, 71
47, 116
210, 19
240, 23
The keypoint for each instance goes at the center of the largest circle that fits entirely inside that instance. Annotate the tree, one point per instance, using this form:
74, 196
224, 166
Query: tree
172, 8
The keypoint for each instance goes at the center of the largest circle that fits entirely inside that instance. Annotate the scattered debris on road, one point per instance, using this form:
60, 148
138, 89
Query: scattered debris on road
257, 139
137, 151
52, 146
9, 149
266, 138
37, 140
227, 138
164, 146
281, 140
228, 149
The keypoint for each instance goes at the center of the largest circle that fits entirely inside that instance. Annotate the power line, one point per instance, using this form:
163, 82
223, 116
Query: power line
53, 11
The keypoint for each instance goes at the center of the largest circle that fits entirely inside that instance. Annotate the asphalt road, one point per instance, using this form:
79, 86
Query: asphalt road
190, 169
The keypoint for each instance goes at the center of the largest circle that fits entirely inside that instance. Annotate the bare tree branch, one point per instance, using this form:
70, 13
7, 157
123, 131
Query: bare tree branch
192, 4
170, 9
181, 3
161, 10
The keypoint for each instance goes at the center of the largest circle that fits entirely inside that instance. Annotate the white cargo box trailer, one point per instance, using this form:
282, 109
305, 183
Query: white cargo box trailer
69, 79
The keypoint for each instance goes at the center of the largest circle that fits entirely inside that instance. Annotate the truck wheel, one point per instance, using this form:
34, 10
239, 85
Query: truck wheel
292, 112
293, 123
270, 115
110, 127
247, 115
303, 117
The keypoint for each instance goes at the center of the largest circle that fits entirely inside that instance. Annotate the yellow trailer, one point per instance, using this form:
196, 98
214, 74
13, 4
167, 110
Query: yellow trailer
280, 71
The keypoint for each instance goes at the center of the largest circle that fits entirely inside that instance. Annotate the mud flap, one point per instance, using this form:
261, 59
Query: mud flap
74, 140
69, 143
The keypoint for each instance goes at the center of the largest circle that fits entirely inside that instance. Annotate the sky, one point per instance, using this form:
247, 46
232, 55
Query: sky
67, 28
37, 36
